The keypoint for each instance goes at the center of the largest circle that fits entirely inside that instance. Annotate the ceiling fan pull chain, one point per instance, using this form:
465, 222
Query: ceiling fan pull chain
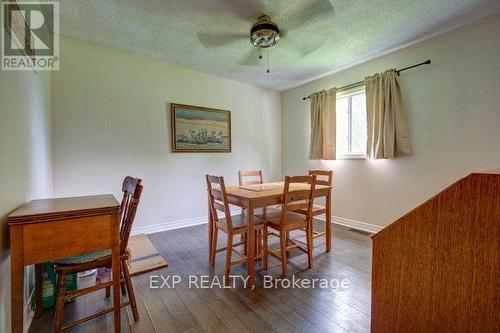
267, 71
260, 52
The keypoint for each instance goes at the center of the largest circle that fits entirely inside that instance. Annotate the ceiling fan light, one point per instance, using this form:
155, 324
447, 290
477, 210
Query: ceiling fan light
264, 33
264, 38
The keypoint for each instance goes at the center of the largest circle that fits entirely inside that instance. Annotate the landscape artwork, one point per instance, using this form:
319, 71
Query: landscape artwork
200, 129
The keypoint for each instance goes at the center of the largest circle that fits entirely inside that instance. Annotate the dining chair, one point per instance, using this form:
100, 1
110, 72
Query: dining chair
132, 190
232, 225
285, 220
323, 177
250, 177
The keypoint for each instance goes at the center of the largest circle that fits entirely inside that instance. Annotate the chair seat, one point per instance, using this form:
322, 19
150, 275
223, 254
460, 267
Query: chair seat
316, 210
293, 220
83, 258
240, 223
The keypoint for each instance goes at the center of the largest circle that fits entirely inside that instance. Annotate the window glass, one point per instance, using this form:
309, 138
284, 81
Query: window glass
342, 125
358, 124
351, 125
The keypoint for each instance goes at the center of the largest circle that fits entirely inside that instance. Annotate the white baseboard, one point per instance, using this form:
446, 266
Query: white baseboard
184, 223
371, 228
178, 224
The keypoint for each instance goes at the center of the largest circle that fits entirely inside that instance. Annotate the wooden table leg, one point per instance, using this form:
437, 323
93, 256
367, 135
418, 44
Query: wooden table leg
250, 246
328, 218
38, 290
115, 266
17, 279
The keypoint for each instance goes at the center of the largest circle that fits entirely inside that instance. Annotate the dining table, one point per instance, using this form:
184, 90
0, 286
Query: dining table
255, 196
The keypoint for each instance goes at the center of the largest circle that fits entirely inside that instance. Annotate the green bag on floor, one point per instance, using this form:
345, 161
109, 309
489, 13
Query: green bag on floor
49, 285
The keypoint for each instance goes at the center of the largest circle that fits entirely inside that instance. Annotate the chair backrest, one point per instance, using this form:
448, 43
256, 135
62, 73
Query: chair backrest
250, 177
298, 197
217, 199
132, 190
323, 177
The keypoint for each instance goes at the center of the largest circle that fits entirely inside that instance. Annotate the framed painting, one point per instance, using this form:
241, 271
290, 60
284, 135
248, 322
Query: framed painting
197, 129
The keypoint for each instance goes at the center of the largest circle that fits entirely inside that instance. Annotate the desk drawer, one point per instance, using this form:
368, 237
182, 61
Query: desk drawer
57, 239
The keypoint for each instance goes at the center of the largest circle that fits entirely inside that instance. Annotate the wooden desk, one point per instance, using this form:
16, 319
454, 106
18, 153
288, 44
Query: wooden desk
252, 197
44, 230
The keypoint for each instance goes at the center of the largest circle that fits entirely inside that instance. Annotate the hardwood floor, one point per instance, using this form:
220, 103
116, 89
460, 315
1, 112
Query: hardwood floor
184, 309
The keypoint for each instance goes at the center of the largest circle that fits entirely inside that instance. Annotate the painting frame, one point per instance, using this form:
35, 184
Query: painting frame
174, 130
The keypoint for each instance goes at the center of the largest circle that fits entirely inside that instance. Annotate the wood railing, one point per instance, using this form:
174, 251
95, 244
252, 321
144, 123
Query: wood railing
436, 269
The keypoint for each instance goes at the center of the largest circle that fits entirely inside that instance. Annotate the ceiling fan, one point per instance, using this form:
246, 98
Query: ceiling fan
265, 33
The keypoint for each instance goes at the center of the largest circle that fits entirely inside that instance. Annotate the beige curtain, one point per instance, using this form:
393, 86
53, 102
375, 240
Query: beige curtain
323, 123
388, 134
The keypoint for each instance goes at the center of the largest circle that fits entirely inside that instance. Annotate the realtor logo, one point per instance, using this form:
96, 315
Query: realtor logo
30, 35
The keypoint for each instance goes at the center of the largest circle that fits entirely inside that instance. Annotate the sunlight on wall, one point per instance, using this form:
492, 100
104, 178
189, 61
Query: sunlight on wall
26, 160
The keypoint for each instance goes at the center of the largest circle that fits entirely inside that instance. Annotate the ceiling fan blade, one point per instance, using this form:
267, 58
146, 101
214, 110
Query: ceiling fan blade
305, 50
299, 46
308, 13
251, 58
245, 9
211, 40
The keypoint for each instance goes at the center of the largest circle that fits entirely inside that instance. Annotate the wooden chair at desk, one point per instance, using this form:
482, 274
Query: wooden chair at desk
132, 189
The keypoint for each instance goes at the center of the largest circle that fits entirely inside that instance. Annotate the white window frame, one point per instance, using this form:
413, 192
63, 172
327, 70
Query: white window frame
349, 93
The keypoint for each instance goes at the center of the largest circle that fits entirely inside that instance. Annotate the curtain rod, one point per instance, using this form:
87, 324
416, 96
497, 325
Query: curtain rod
355, 84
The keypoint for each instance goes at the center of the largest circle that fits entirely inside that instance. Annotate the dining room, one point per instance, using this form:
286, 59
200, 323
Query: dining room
249, 166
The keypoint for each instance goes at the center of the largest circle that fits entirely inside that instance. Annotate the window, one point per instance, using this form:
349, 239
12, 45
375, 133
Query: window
351, 125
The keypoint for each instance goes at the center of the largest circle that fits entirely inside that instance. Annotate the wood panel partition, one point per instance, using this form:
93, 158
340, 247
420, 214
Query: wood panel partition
436, 269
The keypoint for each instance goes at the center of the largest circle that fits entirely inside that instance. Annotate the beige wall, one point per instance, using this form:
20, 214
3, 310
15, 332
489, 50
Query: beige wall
453, 109
110, 120
25, 159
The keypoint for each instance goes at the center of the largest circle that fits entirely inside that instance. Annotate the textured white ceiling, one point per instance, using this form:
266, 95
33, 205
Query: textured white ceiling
192, 33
